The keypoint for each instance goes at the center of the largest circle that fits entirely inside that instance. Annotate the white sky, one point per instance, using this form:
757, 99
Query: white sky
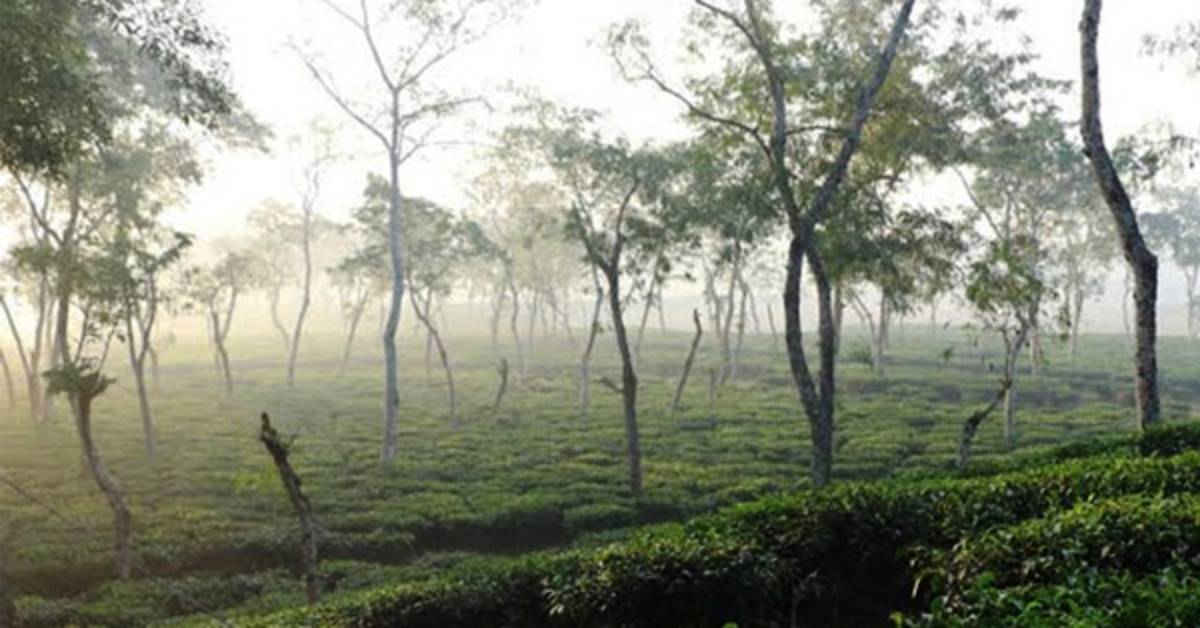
553, 50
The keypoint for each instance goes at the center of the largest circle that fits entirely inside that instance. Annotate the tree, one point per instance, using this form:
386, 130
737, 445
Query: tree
60, 99
773, 81
135, 264
1141, 260
285, 232
1003, 289
616, 215
435, 30
1082, 253
440, 247
906, 256
1176, 228
216, 290
138, 63
359, 279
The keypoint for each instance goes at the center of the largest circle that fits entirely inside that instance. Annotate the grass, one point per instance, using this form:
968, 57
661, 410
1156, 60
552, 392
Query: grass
214, 533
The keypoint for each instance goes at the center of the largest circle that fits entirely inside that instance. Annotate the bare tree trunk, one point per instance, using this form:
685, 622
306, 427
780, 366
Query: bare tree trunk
714, 305
309, 528
218, 337
1076, 321
753, 306
535, 301
774, 331
839, 316
356, 315
390, 358
8, 382
736, 363
971, 425
276, 320
879, 343
687, 363
585, 361
32, 377
1137, 254
1011, 356
154, 374
637, 347
503, 388
494, 323
137, 364
727, 325
305, 299
514, 321
431, 329
629, 380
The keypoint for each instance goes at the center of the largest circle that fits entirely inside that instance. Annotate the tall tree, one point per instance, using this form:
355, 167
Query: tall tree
412, 105
769, 78
1141, 260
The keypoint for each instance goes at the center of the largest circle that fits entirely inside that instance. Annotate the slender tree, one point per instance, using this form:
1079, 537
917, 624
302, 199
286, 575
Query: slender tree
1141, 260
430, 32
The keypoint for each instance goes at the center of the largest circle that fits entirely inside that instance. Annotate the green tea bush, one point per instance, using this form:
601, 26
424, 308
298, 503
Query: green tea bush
835, 557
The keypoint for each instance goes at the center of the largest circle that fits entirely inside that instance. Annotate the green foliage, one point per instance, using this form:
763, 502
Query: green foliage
839, 556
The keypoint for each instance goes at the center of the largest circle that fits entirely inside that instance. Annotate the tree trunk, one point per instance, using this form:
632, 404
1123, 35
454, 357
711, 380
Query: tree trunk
431, 329
637, 347
222, 354
277, 320
390, 358
585, 361
1137, 254
839, 316
629, 381
971, 425
687, 363
356, 315
514, 323
736, 363
503, 388
148, 433
1011, 356
309, 529
774, 331
535, 301
154, 374
714, 305
880, 339
8, 382
727, 325
32, 377
494, 322
1076, 321
305, 300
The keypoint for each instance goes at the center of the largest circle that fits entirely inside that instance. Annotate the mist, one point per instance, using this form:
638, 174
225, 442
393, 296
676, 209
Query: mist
551, 313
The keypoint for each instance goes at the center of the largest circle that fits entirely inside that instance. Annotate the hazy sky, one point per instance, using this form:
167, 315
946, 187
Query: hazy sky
554, 50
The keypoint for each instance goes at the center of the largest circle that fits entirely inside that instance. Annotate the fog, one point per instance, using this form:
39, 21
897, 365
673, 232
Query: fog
552, 312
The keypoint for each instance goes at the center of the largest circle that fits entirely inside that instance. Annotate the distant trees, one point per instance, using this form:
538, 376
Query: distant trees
216, 290
285, 233
1176, 228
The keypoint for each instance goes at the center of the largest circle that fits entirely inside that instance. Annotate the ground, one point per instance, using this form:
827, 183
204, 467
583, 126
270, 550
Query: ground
215, 534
